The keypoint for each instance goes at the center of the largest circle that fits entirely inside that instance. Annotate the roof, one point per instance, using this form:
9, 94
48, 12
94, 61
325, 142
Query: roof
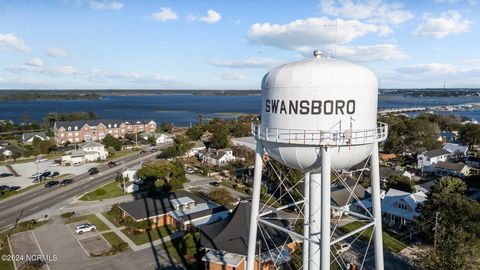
176, 202
455, 148
473, 159
198, 144
341, 197
450, 166
231, 234
384, 156
412, 199
106, 122
436, 153
90, 144
428, 185
149, 207
203, 213
28, 135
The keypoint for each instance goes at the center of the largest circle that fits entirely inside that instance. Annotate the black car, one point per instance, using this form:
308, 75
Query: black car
93, 171
46, 174
215, 184
3, 187
5, 174
54, 174
39, 178
14, 188
66, 182
51, 184
143, 152
113, 164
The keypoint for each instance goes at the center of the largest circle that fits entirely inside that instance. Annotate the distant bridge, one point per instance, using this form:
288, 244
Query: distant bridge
451, 108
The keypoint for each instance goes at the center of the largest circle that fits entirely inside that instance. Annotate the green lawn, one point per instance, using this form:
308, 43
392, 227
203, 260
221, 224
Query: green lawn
111, 190
112, 238
92, 219
8, 265
389, 241
111, 219
155, 234
123, 153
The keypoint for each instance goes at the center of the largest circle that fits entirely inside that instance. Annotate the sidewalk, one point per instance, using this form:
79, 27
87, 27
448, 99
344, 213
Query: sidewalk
132, 245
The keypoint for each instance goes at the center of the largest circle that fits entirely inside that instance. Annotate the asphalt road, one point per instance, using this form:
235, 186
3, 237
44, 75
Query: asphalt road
22, 205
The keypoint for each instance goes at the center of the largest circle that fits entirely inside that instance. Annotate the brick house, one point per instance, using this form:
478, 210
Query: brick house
95, 130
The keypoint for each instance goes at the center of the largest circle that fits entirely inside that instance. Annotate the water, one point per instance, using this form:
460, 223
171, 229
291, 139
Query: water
184, 109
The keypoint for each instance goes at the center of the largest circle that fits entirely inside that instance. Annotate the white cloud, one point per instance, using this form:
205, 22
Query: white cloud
367, 53
99, 75
57, 52
448, 23
372, 10
231, 76
165, 14
246, 63
113, 5
63, 70
212, 17
430, 68
11, 41
311, 33
35, 62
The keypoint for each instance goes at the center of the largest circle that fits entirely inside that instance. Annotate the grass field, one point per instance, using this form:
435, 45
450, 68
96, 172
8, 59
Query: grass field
112, 238
389, 241
123, 153
92, 219
155, 234
111, 219
111, 190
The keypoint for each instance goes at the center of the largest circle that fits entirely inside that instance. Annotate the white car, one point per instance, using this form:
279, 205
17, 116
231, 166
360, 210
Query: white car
42, 159
190, 170
85, 228
343, 247
54, 164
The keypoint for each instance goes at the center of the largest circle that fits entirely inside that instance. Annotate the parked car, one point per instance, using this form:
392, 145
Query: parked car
215, 184
36, 175
42, 159
343, 247
65, 182
54, 174
93, 171
14, 188
80, 229
113, 163
5, 175
51, 184
78, 163
54, 164
190, 170
46, 174
38, 179
4, 188
143, 152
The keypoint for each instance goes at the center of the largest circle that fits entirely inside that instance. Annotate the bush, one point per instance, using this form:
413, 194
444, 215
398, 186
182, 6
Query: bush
67, 215
100, 192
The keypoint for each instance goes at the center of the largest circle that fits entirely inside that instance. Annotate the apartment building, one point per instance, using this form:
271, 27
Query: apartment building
96, 130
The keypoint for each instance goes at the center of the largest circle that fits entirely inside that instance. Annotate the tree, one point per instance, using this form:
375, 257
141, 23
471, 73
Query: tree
221, 196
220, 137
195, 132
400, 182
110, 141
470, 134
172, 173
2, 157
166, 127
15, 155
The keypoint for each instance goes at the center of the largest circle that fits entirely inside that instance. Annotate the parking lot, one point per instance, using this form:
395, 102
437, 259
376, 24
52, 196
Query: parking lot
25, 248
26, 170
91, 242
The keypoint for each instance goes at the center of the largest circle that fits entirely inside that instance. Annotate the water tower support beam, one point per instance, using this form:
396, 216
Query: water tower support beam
306, 222
257, 182
326, 185
377, 212
315, 217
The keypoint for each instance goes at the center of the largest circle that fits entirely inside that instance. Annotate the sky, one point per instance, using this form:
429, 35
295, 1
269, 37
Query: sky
227, 44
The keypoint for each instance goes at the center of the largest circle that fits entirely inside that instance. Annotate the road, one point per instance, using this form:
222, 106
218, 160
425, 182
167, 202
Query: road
25, 204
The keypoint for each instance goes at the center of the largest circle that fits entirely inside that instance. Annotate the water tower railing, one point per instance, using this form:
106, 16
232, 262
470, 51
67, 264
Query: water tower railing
321, 137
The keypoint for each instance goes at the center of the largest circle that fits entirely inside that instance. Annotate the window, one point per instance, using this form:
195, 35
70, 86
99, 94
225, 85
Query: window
115, 125
76, 128
69, 128
402, 206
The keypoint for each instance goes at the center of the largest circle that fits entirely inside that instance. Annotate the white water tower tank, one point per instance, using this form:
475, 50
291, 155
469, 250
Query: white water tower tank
320, 101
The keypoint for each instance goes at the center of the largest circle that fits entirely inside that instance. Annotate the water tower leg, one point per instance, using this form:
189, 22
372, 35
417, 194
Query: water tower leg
326, 185
306, 223
315, 217
376, 207
257, 182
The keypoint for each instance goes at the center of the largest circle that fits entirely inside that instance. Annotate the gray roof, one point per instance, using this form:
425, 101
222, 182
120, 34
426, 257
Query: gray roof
28, 135
436, 153
458, 167
106, 122
341, 196
231, 234
149, 207
207, 212
90, 144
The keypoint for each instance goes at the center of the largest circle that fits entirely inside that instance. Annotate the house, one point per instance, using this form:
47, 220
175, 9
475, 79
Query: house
473, 162
95, 130
400, 207
448, 136
342, 200
9, 150
456, 149
159, 137
245, 141
88, 152
226, 242
132, 182
131, 187
181, 209
425, 187
219, 157
196, 148
428, 159
385, 158
28, 137
451, 169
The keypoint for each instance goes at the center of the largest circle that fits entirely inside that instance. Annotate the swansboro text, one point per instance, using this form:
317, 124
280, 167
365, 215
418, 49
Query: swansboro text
310, 106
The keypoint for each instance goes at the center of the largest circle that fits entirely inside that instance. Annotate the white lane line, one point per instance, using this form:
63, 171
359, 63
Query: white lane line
39, 248
78, 241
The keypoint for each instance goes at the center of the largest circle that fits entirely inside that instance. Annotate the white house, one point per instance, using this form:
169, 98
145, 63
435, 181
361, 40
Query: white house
131, 173
131, 187
400, 207
28, 137
219, 157
455, 148
88, 152
159, 137
197, 147
428, 159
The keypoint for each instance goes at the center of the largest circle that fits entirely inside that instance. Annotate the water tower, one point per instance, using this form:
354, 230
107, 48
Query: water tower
319, 116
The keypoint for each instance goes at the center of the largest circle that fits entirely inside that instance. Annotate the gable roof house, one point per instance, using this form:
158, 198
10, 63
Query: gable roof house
451, 169
400, 207
28, 137
473, 162
456, 149
226, 242
88, 152
342, 200
428, 159
196, 148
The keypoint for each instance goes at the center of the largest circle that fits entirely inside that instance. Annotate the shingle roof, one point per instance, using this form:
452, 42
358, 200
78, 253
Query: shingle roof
450, 166
341, 197
90, 144
28, 135
436, 153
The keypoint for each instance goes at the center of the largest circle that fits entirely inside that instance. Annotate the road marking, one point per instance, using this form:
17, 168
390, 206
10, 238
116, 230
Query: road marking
38, 245
35, 207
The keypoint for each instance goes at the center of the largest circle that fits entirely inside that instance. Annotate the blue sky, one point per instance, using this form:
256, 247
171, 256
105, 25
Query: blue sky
226, 44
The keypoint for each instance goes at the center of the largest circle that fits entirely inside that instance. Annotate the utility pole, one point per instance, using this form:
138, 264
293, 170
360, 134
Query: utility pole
435, 234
